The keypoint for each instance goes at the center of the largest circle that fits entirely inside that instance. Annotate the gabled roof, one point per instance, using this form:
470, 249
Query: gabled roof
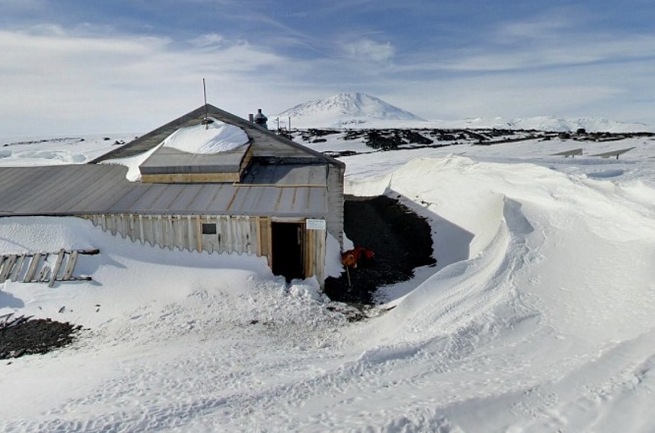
265, 143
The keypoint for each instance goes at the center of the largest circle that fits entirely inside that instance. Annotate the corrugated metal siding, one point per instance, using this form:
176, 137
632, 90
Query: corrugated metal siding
103, 189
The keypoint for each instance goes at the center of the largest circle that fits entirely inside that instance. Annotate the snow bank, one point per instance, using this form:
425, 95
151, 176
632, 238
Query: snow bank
123, 270
554, 296
181, 311
551, 223
539, 315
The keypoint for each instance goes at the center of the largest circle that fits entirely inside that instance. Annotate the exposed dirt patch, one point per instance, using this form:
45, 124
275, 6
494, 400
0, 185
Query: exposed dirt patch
400, 239
24, 336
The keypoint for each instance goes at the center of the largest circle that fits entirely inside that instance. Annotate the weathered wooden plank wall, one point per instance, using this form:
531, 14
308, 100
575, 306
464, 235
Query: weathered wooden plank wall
233, 234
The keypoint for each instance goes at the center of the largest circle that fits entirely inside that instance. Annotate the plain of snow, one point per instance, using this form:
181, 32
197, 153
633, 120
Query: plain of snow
538, 317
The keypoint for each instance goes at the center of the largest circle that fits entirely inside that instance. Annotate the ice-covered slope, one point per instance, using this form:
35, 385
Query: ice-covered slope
344, 109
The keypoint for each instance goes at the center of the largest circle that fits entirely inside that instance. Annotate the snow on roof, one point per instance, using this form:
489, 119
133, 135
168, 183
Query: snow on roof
214, 137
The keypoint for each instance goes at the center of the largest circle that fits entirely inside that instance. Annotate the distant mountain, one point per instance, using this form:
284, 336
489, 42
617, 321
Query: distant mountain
359, 110
343, 110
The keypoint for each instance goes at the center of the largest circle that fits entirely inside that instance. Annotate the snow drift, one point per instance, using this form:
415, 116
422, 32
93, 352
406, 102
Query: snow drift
209, 138
538, 317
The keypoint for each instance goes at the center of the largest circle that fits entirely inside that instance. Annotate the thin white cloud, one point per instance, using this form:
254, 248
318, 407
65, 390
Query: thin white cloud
369, 50
544, 49
94, 78
586, 90
78, 80
542, 27
206, 40
500, 97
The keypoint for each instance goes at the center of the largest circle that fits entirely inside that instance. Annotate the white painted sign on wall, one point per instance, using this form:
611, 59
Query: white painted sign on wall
315, 224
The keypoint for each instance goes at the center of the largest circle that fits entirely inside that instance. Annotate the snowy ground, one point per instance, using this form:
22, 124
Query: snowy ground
539, 316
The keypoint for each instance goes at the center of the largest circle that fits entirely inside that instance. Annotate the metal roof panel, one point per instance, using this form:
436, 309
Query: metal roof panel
166, 160
92, 189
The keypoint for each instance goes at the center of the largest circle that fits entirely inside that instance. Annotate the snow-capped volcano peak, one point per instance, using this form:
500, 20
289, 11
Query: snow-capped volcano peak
344, 109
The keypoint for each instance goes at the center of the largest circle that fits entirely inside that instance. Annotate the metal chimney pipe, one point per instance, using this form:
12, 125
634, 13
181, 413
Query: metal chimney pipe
260, 119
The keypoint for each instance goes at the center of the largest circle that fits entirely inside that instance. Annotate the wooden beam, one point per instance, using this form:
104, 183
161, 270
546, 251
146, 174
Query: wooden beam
7, 266
70, 266
245, 162
31, 271
199, 233
191, 178
56, 267
3, 260
18, 267
309, 252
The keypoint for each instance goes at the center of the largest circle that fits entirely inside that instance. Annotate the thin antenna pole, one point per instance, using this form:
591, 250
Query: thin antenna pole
204, 93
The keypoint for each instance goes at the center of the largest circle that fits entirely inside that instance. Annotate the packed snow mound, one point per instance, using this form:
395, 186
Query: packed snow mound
344, 109
210, 138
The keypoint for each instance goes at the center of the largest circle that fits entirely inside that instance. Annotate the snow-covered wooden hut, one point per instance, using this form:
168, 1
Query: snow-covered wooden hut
207, 181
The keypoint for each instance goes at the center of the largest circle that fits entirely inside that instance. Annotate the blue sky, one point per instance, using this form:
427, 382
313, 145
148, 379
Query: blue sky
80, 66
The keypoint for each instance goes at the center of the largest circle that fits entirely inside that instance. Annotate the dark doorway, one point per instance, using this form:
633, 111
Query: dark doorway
287, 239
